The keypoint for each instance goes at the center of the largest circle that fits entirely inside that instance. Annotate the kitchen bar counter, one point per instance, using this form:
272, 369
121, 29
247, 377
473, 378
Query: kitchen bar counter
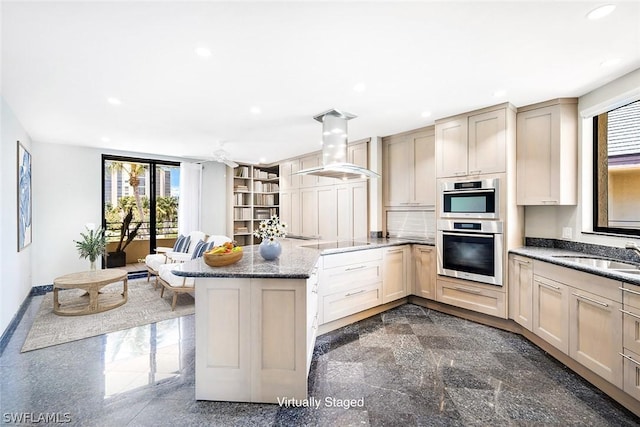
556, 256
297, 260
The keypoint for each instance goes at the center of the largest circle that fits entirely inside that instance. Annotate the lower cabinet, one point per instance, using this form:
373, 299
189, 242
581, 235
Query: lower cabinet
595, 336
631, 339
394, 272
425, 272
631, 372
477, 297
521, 291
551, 312
350, 282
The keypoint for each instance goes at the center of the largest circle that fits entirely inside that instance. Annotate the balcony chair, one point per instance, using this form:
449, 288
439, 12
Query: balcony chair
165, 255
179, 284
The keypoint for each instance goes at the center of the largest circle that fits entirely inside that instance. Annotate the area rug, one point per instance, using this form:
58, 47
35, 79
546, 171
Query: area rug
143, 306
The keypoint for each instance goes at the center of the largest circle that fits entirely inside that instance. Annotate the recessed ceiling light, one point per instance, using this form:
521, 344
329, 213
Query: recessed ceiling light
255, 110
499, 93
610, 62
426, 114
262, 160
601, 11
105, 139
114, 101
203, 52
360, 87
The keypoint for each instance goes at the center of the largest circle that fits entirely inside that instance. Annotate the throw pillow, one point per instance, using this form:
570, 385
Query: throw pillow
201, 248
182, 244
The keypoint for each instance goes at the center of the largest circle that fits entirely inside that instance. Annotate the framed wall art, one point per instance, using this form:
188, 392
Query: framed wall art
24, 197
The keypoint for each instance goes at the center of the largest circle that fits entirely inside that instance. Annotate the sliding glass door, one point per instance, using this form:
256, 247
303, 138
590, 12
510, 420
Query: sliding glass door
140, 208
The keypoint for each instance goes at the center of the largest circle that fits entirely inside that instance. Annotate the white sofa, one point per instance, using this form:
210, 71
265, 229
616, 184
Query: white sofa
179, 284
166, 255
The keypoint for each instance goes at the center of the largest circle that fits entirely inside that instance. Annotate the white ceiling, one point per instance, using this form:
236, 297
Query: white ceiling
62, 60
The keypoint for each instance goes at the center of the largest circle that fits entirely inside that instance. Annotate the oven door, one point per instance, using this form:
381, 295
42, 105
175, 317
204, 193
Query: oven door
469, 204
471, 256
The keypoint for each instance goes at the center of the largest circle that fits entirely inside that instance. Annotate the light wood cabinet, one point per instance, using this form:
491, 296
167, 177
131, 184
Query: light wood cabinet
352, 210
394, 273
409, 169
631, 373
350, 282
551, 312
631, 339
288, 181
327, 212
290, 211
425, 271
472, 296
309, 212
473, 144
547, 153
358, 153
521, 291
595, 336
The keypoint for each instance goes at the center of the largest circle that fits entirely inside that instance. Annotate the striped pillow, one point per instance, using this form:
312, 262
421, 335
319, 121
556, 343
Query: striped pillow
182, 244
201, 248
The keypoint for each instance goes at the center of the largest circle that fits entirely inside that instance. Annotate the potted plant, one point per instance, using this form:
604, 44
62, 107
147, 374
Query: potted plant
92, 244
118, 258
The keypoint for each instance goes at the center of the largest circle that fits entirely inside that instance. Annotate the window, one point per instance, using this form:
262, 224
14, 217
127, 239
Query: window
616, 178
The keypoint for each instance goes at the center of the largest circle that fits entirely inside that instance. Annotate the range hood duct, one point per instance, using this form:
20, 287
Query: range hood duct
334, 149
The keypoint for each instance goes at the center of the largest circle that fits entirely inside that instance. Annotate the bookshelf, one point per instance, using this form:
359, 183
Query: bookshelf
256, 196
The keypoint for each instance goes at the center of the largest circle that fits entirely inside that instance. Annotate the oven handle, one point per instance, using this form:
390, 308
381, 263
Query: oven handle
475, 190
481, 235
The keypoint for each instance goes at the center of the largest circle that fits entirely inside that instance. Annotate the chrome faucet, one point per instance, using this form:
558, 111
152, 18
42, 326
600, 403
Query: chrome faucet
633, 246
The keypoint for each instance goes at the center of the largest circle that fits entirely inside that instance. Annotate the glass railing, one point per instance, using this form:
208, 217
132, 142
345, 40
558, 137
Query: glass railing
165, 229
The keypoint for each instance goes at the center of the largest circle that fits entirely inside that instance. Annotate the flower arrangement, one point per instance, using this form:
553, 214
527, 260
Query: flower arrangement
92, 245
271, 228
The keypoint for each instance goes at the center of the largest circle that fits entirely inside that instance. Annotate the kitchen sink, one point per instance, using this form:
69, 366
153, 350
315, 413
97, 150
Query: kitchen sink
608, 264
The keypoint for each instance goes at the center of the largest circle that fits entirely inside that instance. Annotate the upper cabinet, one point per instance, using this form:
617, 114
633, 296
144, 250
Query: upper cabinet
408, 164
288, 181
473, 143
547, 153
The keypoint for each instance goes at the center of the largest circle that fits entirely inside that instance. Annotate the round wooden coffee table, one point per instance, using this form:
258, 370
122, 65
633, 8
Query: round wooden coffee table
92, 282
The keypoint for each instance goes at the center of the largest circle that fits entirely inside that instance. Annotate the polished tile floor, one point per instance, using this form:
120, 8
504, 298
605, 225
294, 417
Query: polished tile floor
408, 366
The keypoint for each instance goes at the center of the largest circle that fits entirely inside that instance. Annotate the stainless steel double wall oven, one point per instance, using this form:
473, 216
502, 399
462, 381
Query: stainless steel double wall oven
470, 231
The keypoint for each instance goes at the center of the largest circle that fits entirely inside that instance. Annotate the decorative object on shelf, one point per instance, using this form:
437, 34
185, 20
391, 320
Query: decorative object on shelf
268, 231
92, 245
222, 255
118, 258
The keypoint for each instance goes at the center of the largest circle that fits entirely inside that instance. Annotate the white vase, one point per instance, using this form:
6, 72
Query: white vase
270, 249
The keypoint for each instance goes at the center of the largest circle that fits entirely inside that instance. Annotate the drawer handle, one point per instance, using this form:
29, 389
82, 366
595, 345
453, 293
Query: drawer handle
472, 291
523, 261
629, 290
630, 313
590, 299
475, 172
547, 285
355, 268
630, 358
393, 251
355, 293
549, 201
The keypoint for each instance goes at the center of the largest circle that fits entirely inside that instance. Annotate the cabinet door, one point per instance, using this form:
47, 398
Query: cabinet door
360, 208
551, 312
327, 213
394, 274
307, 162
487, 142
521, 291
631, 363
290, 211
451, 148
287, 179
358, 154
398, 175
309, 212
425, 271
595, 338
424, 167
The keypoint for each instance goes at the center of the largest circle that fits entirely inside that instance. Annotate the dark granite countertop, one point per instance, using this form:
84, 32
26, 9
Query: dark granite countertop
297, 260
551, 255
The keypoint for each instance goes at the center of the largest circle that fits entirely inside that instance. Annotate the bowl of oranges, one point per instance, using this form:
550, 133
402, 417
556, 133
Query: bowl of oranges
225, 254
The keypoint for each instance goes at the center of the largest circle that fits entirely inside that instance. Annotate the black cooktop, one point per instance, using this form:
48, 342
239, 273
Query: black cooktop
336, 245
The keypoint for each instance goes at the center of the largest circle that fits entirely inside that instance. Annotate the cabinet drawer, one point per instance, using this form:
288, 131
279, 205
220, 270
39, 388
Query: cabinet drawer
348, 258
597, 285
631, 362
350, 276
630, 295
472, 297
343, 304
631, 328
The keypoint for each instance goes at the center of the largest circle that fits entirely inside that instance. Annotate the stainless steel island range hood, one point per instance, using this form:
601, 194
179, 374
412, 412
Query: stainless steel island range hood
334, 149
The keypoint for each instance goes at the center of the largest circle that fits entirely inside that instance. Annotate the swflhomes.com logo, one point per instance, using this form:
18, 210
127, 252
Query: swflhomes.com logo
35, 418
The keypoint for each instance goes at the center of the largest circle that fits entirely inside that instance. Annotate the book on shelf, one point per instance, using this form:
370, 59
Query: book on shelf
240, 230
242, 213
242, 172
241, 187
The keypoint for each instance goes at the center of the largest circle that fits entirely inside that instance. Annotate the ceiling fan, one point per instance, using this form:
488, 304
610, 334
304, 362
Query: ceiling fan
222, 156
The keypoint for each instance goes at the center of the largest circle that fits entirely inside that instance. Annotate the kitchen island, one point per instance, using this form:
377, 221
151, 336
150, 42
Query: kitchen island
256, 320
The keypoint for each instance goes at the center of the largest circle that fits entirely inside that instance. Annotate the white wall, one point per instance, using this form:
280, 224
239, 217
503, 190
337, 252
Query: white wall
15, 279
214, 198
548, 221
